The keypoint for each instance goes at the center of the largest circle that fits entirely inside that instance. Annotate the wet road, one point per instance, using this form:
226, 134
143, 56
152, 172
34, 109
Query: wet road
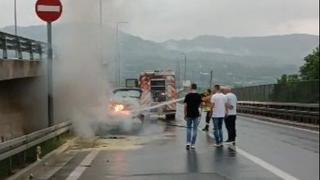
263, 151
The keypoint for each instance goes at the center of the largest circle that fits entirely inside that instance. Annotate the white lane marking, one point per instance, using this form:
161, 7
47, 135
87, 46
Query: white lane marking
46, 8
89, 158
271, 168
54, 170
76, 173
278, 172
277, 124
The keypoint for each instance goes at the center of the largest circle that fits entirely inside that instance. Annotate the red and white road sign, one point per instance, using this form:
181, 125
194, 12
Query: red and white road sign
49, 10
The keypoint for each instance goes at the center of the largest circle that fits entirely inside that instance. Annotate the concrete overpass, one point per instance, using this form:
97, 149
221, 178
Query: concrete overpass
16, 69
22, 86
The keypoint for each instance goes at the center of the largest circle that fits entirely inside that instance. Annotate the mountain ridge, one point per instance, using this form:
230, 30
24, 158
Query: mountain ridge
235, 60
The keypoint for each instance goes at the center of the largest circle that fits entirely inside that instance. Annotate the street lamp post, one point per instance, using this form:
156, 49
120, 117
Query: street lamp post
117, 42
101, 40
101, 30
185, 67
211, 79
178, 75
100, 13
15, 18
15, 22
118, 51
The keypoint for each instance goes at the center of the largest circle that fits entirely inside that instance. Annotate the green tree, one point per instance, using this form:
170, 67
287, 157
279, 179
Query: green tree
285, 79
310, 70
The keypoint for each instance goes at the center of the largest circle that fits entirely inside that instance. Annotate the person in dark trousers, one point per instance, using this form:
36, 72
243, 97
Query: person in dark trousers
231, 116
219, 103
192, 104
207, 108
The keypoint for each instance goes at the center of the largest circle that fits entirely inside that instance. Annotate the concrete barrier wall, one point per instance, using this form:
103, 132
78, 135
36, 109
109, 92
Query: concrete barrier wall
13, 69
23, 106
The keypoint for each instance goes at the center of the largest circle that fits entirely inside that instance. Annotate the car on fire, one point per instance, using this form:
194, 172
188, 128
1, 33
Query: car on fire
125, 103
123, 115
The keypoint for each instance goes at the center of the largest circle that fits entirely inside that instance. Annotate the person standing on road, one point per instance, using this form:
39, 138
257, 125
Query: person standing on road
219, 104
207, 108
192, 102
231, 117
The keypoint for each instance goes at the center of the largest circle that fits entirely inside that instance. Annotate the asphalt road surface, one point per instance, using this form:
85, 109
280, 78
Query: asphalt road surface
263, 151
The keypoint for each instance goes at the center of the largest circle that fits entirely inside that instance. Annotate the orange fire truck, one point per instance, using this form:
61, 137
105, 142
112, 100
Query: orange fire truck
158, 87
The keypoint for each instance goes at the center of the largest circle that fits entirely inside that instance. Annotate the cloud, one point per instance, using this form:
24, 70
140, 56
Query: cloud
161, 20
165, 19
310, 26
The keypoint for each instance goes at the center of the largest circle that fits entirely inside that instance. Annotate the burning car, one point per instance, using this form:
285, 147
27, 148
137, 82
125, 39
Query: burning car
123, 115
125, 103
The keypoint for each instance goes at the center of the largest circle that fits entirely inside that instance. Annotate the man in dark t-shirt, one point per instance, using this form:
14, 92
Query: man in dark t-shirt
192, 104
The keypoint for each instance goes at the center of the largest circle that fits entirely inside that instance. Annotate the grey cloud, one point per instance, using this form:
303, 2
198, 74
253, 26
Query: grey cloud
165, 19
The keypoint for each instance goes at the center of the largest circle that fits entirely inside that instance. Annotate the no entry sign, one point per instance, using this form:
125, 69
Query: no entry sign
49, 10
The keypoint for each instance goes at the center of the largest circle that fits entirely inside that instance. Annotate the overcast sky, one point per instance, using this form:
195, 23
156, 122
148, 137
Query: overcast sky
176, 19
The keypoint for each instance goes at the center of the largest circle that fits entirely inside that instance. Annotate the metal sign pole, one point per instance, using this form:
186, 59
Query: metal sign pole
49, 66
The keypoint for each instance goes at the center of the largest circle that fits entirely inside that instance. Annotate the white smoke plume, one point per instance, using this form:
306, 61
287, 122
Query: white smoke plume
82, 63
84, 66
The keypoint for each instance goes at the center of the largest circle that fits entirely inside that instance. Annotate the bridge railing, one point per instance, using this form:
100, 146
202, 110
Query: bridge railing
295, 112
17, 47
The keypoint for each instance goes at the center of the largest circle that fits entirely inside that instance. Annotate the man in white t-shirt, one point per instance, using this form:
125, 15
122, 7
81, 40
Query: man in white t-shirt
219, 104
230, 120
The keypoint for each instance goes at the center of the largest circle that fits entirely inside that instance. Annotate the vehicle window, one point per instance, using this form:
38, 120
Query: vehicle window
127, 93
158, 83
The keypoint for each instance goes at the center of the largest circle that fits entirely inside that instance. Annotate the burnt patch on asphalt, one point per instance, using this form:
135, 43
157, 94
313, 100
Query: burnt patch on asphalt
112, 137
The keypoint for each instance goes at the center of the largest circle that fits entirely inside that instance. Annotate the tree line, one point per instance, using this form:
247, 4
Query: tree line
302, 87
308, 72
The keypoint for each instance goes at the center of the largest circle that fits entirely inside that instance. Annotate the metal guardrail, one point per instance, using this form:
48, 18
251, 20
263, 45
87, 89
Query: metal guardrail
300, 91
297, 112
283, 104
17, 145
20, 45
